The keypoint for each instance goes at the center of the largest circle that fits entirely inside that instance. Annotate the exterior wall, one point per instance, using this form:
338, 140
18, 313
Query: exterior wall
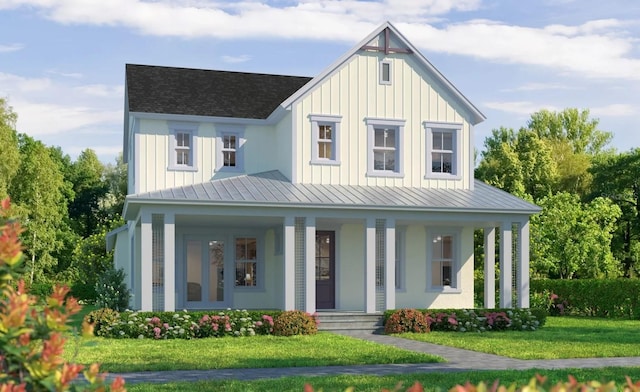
353, 91
415, 293
152, 161
284, 144
350, 259
122, 253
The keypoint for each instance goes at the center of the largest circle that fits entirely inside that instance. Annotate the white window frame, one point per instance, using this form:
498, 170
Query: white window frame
259, 260
230, 130
456, 252
316, 121
190, 129
456, 160
382, 65
398, 125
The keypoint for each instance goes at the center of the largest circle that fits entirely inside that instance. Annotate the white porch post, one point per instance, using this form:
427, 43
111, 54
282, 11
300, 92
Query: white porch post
489, 267
169, 262
146, 270
523, 264
289, 231
310, 264
390, 265
370, 266
505, 265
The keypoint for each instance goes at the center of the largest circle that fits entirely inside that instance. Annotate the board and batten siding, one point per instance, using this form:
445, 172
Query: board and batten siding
261, 152
353, 91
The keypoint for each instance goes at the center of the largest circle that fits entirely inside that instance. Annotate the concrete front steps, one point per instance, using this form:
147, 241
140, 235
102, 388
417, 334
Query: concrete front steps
349, 321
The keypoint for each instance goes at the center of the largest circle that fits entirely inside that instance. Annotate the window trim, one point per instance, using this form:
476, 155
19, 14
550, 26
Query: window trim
191, 129
456, 130
382, 63
456, 267
260, 262
325, 119
371, 124
230, 130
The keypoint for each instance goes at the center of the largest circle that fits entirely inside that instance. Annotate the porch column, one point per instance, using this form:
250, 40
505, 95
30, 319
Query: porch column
390, 265
289, 254
310, 264
169, 262
523, 264
370, 266
505, 265
146, 270
489, 267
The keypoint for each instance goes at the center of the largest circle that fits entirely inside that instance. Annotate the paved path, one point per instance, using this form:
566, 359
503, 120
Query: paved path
457, 360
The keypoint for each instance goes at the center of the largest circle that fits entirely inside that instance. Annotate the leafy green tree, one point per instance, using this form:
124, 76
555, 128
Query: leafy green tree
617, 176
90, 187
112, 204
10, 160
571, 239
37, 189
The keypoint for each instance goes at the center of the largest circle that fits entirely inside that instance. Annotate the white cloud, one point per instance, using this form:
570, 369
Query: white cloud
101, 90
236, 59
11, 48
519, 107
615, 110
14, 83
539, 87
72, 75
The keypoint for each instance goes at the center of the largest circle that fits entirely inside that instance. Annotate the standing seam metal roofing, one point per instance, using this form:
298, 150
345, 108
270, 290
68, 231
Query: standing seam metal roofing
273, 188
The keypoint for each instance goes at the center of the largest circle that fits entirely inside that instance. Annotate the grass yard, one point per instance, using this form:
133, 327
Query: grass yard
431, 381
561, 337
323, 349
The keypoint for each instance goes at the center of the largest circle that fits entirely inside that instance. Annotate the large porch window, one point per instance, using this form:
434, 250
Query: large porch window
443, 261
246, 261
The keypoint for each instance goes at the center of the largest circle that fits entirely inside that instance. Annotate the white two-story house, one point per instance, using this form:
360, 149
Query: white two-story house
352, 190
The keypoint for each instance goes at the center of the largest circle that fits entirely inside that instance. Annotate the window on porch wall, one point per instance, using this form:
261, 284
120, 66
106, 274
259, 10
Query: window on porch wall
442, 261
246, 262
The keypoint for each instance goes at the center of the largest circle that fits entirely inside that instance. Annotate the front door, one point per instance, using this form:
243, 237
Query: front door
325, 270
205, 273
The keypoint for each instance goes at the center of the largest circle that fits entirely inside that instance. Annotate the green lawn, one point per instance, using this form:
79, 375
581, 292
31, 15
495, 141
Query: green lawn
131, 355
431, 381
561, 337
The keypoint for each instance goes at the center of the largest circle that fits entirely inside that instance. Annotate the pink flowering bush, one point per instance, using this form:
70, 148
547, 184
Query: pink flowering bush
406, 320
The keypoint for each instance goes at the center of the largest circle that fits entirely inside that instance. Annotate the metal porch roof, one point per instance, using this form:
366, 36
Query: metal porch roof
274, 189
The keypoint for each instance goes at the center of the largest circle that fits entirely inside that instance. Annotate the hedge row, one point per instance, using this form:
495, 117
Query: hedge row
618, 298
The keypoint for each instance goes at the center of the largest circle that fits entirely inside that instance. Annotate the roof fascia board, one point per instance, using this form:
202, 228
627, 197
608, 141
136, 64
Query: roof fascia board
476, 114
110, 238
201, 119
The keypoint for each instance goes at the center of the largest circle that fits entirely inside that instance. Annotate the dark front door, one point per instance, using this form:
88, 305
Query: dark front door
325, 270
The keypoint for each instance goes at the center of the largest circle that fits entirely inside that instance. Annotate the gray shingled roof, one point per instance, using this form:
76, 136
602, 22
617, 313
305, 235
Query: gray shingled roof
170, 90
272, 188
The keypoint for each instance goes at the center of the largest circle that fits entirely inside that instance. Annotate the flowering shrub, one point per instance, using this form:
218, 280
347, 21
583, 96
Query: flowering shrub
112, 291
479, 320
295, 322
100, 319
184, 325
31, 338
406, 320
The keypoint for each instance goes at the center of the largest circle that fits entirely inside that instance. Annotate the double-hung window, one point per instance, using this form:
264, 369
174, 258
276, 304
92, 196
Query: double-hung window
443, 258
325, 130
385, 147
246, 261
183, 146
444, 145
229, 148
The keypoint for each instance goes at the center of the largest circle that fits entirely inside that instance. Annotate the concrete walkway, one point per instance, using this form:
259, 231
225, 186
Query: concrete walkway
458, 360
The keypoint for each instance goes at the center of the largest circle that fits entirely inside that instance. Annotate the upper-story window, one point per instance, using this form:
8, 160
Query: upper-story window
183, 146
444, 150
325, 130
385, 72
229, 147
385, 147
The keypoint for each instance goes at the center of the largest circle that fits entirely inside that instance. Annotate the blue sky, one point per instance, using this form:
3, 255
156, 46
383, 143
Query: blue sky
62, 61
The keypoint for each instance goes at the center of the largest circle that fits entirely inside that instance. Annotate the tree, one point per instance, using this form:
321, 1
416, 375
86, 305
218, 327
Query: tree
617, 176
112, 204
37, 191
89, 187
10, 153
571, 239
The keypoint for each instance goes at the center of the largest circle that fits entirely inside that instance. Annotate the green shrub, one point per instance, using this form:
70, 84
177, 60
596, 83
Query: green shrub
101, 319
294, 322
481, 320
84, 291
111, 290
406, 320
619, 298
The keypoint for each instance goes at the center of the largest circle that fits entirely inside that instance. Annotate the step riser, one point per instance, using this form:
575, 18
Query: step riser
346, 322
